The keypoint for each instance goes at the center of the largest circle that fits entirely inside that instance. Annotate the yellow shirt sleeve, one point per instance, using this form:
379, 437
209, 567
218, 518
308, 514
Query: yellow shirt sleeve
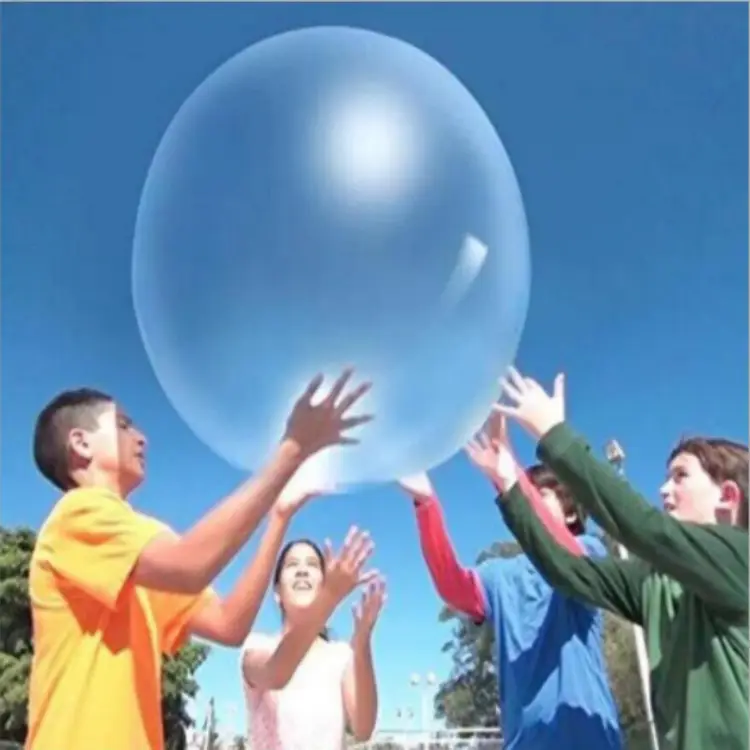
93, 541
173, 613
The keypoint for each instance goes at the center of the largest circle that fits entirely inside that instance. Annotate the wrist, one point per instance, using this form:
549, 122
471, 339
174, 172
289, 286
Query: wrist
330, 598
361, 641
544, 427
279, 518
291, 451
422, 500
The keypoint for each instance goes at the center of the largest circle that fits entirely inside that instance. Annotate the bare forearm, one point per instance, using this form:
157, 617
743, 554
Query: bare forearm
241, 607
188, 564
294, 644
365, 709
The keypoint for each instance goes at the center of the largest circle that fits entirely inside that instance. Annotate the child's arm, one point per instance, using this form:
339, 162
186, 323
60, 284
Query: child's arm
359, 687
492, 455
271, 669
712, 561
459, 587
229, 620
188, 564
98, 543
557, 528
607, 583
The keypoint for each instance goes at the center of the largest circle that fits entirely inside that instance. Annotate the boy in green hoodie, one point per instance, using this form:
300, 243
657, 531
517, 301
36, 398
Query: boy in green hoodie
687, 587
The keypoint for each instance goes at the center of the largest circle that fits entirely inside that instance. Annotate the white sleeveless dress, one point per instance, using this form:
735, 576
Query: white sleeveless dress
307, 714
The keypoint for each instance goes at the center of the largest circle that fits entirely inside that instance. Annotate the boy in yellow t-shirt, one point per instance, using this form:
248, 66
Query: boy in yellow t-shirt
112, 589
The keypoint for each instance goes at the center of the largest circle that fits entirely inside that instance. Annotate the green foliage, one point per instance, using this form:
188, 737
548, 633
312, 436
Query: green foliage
16, 546
469, 697
178, 676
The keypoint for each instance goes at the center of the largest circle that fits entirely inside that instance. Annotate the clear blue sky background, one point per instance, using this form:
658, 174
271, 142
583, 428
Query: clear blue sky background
627, 125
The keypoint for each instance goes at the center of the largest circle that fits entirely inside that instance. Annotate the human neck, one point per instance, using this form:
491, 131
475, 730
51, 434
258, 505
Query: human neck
91, 477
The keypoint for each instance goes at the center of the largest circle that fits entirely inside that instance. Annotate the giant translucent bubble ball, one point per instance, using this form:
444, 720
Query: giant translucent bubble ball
330, 197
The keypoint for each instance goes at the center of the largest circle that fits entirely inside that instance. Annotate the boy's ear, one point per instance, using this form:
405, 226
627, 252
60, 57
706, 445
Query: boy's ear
78, 443
730, 492
731, 500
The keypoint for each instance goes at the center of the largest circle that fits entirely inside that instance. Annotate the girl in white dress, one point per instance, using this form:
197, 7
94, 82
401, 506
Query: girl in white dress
302, 690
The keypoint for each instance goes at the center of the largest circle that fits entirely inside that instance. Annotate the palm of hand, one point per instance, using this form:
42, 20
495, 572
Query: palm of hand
491, 452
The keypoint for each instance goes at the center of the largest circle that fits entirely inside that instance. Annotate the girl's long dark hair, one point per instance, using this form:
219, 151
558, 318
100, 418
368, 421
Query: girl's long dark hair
325, 634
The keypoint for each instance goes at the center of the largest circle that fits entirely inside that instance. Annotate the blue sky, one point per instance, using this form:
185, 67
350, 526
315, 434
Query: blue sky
627, 126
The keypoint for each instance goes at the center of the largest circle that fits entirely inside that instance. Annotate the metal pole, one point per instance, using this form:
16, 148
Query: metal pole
616, 458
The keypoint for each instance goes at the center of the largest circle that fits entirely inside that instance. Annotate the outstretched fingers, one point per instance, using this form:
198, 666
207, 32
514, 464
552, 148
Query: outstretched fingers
338, 387
312, 388
350, 399
357, 548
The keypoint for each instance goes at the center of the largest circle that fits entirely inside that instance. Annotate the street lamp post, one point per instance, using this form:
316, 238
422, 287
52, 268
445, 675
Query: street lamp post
425, 687
615, 455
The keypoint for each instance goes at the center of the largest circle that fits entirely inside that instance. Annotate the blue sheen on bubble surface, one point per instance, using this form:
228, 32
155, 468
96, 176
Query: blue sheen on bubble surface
332, 196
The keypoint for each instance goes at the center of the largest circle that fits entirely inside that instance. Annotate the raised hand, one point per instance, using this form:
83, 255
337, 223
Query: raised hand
530, 405
344, 571
368, 609
418, 487
312, 427
492, 454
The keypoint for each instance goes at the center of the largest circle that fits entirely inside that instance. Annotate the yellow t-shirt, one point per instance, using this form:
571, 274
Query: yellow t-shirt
98, 638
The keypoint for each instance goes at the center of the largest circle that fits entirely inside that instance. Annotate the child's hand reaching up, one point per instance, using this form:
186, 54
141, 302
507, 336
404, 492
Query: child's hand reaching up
530, 405
344, 571
367, 611
491, 453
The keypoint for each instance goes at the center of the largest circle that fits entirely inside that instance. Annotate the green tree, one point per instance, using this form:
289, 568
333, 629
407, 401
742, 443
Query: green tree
16, 546
178, 676
178, 685
469, 696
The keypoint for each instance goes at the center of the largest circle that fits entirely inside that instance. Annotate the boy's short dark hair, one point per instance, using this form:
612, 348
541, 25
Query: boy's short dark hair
69, 410
723, 460
543, 478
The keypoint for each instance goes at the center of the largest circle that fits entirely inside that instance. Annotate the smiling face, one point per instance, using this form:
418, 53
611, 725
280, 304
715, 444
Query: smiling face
299, 576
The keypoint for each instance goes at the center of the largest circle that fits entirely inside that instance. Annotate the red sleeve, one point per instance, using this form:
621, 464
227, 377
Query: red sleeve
556, 528
458, 587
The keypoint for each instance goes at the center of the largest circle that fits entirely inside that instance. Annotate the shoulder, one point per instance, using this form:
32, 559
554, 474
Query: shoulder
87, 505
498, 568
78, 510
85, 500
